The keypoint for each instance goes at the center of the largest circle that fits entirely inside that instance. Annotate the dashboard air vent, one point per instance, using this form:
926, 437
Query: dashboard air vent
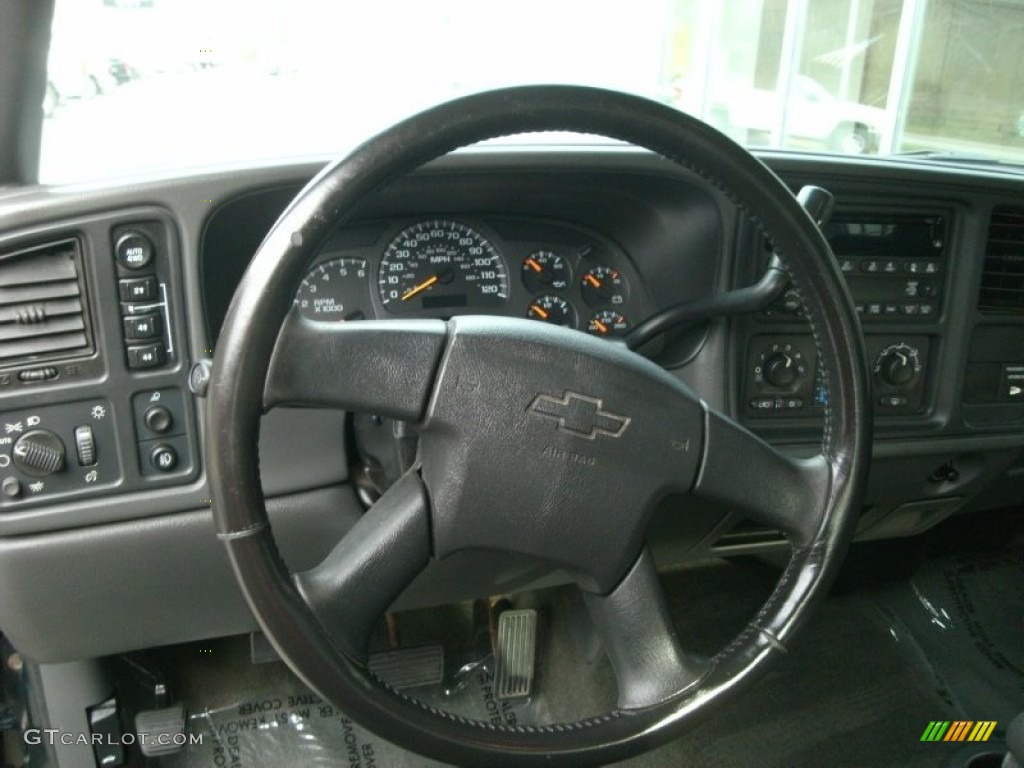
1002, 283
42, 309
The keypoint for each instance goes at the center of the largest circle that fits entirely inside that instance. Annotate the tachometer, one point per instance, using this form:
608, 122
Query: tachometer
441, 265
335, 291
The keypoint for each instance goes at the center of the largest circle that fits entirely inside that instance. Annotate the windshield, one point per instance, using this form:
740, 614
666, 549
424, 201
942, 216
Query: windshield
142, 85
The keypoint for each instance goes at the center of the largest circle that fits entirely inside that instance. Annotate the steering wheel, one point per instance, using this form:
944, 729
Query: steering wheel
597, 436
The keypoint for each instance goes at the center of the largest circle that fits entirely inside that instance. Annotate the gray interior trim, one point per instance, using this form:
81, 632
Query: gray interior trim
152, 582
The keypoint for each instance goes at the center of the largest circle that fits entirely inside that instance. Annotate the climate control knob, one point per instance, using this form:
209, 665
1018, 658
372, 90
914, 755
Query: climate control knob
898, 365
781, 370
39, 453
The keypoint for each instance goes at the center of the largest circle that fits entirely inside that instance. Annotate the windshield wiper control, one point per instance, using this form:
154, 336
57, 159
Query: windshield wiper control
817, 202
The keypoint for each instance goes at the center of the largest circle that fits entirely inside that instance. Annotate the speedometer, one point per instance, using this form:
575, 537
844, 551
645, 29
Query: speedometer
441, 265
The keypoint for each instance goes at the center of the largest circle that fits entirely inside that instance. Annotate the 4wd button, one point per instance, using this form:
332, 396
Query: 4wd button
133, 250
142, 326
146, 356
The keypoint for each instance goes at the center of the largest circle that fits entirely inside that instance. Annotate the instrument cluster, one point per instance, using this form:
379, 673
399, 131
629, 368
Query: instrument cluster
441, 267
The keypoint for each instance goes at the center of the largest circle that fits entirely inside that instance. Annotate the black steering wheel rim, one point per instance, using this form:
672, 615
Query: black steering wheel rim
246, 347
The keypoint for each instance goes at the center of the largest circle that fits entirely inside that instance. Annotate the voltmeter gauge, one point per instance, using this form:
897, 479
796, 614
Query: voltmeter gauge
602, 286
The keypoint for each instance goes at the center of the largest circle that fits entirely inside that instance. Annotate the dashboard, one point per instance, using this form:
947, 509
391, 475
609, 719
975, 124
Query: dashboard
112, 298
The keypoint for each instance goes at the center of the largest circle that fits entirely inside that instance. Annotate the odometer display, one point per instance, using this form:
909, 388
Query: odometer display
441, 265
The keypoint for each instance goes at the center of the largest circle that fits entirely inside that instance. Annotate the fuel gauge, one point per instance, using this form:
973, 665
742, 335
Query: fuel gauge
552, 309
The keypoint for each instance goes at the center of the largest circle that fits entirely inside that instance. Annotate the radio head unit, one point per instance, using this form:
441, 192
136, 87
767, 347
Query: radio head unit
894, 264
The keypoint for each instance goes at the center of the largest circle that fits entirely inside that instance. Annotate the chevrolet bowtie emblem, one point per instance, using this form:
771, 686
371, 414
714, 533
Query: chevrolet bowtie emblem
579, 415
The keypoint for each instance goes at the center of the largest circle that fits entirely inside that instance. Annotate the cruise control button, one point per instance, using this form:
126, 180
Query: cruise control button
133, 250
146, 326
137, 289
146, 356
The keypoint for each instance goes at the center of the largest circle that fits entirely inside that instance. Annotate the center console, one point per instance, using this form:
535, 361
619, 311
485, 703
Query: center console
895, 265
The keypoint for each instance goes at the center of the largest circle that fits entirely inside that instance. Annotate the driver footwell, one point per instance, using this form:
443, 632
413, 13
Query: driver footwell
862, 683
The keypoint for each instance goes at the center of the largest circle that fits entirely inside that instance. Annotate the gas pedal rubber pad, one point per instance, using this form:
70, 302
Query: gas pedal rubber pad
515, 653
165, 729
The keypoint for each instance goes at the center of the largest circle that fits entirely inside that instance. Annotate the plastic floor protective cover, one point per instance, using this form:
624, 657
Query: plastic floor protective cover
862, 683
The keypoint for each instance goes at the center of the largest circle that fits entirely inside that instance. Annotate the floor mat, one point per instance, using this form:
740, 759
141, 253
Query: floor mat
862, 682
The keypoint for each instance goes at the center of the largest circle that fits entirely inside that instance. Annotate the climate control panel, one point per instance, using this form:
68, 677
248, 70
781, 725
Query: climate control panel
782, 378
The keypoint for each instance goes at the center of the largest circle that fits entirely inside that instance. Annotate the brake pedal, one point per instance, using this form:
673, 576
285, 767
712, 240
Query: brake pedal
164, 729
515, 653
410, 667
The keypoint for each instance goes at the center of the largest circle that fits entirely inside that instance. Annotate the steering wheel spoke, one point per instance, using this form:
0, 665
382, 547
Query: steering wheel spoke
634, 625
386, 367
351, 588
743, 471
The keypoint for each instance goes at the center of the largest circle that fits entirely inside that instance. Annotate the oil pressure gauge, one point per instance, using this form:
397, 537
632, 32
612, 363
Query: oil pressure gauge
546, 271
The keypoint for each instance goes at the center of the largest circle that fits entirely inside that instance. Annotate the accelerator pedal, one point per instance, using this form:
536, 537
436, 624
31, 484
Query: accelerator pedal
164, 729
515, 653
409, 667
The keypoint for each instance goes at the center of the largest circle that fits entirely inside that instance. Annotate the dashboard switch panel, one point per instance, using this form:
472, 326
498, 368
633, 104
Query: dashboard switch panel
35, 443
143, 276
161, 432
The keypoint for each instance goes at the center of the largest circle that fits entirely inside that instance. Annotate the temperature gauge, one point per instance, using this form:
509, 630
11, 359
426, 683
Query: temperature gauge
608, 322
